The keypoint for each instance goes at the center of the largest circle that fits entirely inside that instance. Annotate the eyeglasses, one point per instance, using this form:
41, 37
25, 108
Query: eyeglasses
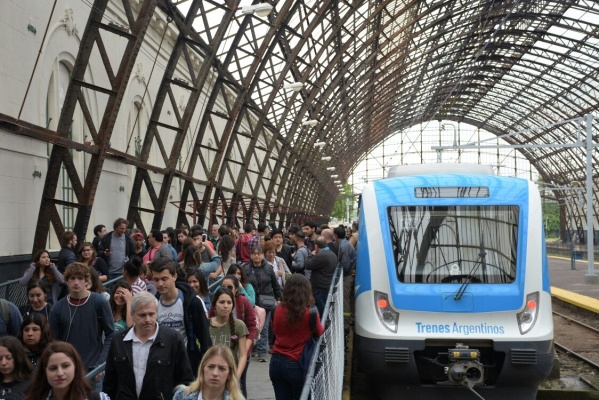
84, 250
229, 287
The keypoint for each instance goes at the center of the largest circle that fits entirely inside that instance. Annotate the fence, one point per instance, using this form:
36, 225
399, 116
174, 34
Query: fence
13, 291
324, 380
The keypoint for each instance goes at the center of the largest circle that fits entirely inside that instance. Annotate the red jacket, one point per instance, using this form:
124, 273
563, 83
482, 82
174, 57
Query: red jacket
289, 341
242, 248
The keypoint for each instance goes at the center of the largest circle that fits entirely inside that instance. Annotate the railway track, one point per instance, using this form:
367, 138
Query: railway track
576, 339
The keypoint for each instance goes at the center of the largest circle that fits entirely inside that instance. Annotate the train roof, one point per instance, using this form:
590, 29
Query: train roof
426, 169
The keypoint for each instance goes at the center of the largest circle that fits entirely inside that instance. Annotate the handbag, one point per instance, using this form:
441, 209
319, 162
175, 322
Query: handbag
267, 302
260, 318
310, 345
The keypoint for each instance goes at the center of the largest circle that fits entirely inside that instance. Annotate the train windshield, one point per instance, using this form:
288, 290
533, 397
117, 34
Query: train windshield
454, 244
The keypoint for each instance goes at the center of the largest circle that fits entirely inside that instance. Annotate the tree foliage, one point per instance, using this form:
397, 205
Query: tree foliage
551, 217
339, 207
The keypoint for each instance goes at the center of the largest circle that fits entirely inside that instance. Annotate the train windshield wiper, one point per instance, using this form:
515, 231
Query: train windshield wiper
462, 289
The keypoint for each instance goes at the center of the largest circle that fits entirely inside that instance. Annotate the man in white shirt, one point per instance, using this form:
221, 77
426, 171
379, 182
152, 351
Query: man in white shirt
146, 361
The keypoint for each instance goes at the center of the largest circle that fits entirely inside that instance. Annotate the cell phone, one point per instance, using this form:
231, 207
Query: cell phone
204, 237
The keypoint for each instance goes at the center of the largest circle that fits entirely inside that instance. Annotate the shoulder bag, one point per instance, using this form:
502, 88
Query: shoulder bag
310, 345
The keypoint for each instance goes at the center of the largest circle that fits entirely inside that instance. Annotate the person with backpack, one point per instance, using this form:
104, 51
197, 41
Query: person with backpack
10, 318
242, 247
291, 324
268, 293
180, 308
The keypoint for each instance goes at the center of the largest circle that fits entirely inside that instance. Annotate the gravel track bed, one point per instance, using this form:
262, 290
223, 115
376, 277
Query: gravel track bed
574, 372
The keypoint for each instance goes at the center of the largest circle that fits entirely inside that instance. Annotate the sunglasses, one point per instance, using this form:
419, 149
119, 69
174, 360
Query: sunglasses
229, 287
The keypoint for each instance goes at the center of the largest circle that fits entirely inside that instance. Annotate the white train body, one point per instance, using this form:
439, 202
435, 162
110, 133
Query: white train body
452, 286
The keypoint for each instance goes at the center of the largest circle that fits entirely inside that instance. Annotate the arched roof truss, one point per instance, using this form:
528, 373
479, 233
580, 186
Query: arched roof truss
243, 142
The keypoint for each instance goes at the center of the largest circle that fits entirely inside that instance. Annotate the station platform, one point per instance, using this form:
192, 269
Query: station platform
258, 382
569, 285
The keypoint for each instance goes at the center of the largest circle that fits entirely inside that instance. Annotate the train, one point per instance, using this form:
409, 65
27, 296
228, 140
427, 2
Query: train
452, 291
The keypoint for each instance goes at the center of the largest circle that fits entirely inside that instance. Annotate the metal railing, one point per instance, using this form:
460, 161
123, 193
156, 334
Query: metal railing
15, 292
324, 380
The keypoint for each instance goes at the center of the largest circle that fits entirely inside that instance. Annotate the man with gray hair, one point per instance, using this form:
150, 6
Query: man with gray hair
146, 361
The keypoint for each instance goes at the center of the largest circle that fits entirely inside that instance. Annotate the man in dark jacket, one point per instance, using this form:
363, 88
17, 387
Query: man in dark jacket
131, 372
67, 253
181, 309
116, 248
264, 280
322, 262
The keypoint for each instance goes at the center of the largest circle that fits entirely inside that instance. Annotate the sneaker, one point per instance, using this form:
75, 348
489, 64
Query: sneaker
254, 354
262, 359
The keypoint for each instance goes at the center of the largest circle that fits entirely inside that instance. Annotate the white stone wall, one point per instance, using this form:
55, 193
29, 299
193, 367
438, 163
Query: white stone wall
19, 156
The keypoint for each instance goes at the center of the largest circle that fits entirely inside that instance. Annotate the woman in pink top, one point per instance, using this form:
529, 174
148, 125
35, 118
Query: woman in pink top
291, 326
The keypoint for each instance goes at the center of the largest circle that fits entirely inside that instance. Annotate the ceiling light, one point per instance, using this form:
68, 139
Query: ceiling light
310, 122
320, 144
295, 86
326, 158
337, 181
334, 176
330, 168
261, 10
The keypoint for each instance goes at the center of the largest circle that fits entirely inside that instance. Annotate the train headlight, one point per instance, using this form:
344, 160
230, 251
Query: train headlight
388, 317
528, 316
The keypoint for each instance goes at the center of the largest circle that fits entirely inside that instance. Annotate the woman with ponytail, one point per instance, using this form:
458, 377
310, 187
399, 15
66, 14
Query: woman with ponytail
227, 330
131, 272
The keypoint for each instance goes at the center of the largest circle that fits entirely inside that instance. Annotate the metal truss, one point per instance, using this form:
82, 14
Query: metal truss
96, 35
368, 70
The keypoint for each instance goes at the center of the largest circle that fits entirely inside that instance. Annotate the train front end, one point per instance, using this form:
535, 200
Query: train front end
452, 286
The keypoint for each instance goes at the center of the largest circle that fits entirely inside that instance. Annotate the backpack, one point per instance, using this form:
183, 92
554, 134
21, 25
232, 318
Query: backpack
5, 308
310, 345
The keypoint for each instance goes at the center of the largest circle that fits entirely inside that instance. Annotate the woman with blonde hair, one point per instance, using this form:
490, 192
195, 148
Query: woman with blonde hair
217, 378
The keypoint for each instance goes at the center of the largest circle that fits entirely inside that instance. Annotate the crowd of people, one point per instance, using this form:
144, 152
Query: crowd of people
161, 332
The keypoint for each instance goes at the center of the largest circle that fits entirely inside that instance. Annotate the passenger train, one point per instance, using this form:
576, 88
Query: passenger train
452, 295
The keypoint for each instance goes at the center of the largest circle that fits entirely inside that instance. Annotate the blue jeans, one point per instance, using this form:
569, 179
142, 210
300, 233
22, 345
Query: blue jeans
242, 379
287, 377
321, 300
263, 341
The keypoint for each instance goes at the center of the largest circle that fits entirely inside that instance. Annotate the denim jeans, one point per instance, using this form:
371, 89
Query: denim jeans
321, 300
242, 379
261, 346
287, 377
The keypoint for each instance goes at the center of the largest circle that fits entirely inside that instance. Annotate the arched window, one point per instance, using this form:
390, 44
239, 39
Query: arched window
78, 131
